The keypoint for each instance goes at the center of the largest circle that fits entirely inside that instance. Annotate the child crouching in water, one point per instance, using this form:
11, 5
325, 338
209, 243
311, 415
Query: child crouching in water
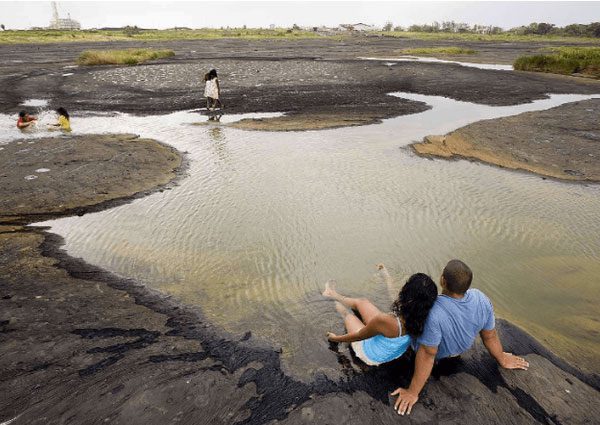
26, 121
380, 337
64, 122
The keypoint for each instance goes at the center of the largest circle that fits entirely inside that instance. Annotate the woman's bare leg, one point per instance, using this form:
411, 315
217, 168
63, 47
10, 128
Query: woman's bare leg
351, 322
385, 276
366, 309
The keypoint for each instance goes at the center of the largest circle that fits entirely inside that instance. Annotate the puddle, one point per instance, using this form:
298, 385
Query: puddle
264, 219
41, 128
35, 102
393, 61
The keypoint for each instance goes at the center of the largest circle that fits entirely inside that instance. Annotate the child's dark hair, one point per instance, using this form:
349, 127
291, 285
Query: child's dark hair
63, 111
22, 114
212, 74
414, 302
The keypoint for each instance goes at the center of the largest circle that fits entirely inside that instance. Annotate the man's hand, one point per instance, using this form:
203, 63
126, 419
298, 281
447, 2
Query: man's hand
510, 361
406, 400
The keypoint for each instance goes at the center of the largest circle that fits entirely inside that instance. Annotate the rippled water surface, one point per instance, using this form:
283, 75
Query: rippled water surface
263, 219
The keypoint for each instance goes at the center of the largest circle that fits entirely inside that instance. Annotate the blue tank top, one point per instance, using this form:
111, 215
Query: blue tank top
382, 349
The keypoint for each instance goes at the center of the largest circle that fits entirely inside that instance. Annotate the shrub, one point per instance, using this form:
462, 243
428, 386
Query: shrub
121, 57
563, 60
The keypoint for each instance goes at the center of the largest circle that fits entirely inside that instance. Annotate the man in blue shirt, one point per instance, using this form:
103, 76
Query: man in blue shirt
457, 316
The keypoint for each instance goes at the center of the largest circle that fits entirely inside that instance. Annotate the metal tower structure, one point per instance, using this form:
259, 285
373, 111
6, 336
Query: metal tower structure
59, 23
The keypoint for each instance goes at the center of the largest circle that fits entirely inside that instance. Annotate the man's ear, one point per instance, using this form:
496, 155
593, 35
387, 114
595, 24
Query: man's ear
442, 282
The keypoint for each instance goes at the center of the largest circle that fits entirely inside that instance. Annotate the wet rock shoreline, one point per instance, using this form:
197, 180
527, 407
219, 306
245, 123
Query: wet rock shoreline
561, 143
80, 345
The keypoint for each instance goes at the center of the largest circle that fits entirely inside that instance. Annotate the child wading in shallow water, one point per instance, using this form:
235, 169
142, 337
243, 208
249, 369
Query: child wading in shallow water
212, 90
380, 337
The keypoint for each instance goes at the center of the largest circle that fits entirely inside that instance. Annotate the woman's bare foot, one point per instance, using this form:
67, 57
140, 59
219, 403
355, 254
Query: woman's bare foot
330, 291
339, 307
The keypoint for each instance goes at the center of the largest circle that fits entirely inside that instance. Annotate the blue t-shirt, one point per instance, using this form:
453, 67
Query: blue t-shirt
453, 324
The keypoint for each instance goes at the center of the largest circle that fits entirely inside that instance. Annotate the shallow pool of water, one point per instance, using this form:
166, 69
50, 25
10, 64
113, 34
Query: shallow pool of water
35, 102
405, 58
264, 219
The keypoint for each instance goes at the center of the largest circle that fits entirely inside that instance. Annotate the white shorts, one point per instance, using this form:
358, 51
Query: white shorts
357, 346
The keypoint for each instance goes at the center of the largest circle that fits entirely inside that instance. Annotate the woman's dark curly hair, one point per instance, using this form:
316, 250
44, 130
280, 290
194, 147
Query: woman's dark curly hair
414, 302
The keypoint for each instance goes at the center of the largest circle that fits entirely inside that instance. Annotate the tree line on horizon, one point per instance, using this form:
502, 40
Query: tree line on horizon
535, 28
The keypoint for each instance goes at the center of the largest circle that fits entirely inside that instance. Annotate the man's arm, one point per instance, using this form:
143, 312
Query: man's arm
423, 366
494, 346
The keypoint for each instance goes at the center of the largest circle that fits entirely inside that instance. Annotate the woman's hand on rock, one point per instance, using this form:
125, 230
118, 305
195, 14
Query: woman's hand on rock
332, 337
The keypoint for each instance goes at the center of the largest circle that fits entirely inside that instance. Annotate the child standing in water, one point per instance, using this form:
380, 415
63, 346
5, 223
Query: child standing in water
64, 122
212, 90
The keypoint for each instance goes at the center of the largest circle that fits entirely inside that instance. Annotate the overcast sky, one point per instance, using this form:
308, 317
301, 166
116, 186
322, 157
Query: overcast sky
96, 14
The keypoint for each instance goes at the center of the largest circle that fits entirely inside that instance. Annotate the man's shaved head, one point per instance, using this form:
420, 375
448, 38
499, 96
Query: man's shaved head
458, 276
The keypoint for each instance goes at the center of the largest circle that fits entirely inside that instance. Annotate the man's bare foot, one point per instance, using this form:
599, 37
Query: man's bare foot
341, 309
330, 291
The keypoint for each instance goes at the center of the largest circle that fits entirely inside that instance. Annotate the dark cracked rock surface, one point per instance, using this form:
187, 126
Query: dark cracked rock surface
79, 345
45, 177
306, 78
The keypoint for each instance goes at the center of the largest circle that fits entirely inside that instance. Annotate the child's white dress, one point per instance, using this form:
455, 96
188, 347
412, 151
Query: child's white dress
210, 89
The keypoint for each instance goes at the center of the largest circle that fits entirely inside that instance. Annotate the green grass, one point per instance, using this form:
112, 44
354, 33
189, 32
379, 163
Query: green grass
121, 57
56, 36
438, 51
563, 60
503, 37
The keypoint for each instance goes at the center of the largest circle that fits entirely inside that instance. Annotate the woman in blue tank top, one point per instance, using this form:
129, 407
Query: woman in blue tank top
382, 337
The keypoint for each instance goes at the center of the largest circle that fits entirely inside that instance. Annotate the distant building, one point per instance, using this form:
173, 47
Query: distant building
58, 23
356, 27
323, 30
